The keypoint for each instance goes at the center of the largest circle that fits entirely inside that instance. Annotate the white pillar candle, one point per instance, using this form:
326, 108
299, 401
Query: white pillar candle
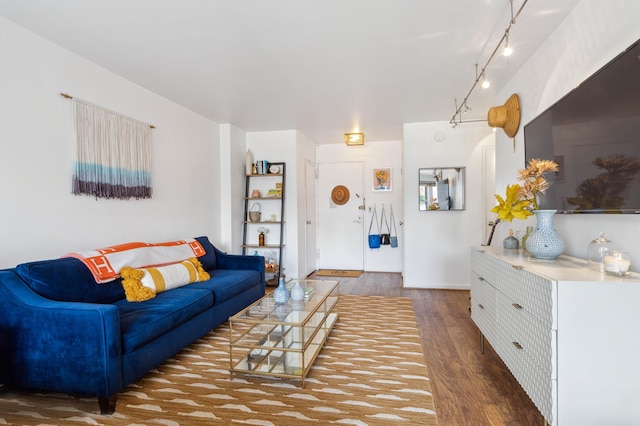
616, 262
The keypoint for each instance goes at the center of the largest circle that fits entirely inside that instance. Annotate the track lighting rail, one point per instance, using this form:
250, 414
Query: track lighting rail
457, 116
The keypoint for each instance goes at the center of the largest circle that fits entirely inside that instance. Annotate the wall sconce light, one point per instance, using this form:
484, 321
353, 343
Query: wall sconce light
352, 139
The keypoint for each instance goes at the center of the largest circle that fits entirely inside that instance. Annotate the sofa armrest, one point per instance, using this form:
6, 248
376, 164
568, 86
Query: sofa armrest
58, 346
236, 261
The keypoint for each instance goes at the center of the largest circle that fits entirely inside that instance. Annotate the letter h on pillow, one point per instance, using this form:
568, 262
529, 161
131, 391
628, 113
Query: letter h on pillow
144, 283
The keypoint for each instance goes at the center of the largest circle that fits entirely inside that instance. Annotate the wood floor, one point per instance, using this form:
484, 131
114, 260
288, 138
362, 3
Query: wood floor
469, 388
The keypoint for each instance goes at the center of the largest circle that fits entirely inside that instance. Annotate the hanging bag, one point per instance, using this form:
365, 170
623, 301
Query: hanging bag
385, 239
394, 238
254, 215
374, 239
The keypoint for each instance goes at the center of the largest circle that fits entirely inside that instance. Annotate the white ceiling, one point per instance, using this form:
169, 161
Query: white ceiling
322, 67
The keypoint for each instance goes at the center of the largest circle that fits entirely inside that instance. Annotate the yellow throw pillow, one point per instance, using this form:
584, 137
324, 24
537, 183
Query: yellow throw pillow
144, 283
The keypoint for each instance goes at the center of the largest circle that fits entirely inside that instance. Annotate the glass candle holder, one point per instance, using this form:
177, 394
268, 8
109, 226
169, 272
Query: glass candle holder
597, 249
616, 262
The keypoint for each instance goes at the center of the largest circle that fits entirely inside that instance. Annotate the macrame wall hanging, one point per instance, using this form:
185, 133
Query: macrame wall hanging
113, 153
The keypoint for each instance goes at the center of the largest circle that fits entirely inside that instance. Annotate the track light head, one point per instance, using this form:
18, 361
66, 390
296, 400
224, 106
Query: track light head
507, 49
485, 83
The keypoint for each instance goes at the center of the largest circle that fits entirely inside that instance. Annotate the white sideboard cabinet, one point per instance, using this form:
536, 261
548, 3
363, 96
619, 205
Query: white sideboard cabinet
569, 335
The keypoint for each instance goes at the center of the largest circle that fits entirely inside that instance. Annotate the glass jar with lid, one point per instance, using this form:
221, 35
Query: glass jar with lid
597, 249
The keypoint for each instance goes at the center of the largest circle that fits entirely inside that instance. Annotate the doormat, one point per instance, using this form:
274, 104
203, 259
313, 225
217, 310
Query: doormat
338, 273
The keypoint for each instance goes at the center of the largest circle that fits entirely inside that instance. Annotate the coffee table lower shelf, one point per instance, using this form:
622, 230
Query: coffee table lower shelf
281, 352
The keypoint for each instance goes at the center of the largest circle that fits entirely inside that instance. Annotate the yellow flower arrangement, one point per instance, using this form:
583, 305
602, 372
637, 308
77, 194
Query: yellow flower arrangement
521, 199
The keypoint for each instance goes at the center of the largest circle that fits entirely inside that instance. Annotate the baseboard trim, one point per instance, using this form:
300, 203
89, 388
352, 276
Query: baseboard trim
440, 287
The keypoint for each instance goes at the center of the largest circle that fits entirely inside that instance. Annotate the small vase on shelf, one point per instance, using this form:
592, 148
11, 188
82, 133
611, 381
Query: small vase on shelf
510, 242
297, 292
281, 294
545, 242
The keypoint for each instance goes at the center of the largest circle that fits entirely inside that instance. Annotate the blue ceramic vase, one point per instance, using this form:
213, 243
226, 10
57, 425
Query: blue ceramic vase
281, 294
544, 242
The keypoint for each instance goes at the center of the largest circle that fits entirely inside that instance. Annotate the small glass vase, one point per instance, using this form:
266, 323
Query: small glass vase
281, 294
297, 292
545, 242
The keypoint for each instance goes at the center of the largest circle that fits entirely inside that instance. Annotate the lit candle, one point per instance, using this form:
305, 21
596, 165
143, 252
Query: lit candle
616, 262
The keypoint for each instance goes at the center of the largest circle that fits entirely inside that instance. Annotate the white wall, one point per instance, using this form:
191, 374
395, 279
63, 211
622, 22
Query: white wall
437, 246
373, 155
40, 217
593, 34
232, 184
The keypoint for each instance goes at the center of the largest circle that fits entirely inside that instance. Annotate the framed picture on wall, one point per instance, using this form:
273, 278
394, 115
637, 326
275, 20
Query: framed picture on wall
382, 179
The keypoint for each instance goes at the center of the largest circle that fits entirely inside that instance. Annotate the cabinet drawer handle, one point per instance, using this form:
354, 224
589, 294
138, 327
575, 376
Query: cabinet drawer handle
517, 306
480, 305
518, 267
517, 345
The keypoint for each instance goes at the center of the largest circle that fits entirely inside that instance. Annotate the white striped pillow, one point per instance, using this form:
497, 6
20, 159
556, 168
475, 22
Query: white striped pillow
144, 283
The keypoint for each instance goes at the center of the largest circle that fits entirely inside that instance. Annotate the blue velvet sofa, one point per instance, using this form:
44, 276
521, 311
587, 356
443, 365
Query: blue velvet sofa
62, 332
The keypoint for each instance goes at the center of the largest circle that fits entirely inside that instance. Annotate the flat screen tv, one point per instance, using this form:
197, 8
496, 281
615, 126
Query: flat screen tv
593, 133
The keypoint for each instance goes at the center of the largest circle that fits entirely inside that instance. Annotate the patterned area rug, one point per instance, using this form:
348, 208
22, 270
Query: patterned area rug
371, 372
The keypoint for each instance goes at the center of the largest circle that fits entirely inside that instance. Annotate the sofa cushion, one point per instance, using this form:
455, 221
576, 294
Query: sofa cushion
226, 283
68, 280
208, 261
140, 323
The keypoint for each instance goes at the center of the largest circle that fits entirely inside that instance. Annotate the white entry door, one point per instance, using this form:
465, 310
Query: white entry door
341, 226
310, 244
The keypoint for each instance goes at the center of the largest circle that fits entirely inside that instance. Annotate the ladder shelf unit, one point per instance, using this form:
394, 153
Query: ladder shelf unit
267, 191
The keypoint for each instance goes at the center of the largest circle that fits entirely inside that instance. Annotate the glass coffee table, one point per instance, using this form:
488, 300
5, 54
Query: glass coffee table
283, 340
